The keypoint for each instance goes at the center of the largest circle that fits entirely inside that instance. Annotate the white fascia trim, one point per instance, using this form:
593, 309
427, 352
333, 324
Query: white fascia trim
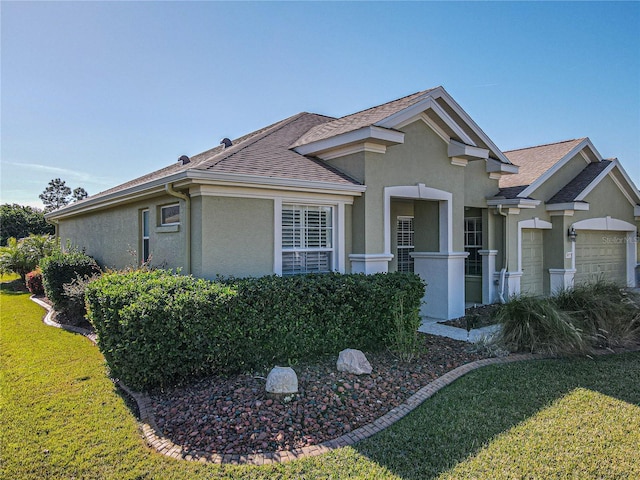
401, 117
554, 207
421, 192
559, 164
350, 149
233, 191
371, 134
604, 223
460, 150
132, 193
430, 123
532, 223
629, 182
514, 202
441, 92
595, 182
494, 166
286, 183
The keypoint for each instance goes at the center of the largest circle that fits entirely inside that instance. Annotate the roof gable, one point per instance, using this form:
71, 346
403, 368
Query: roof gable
441, 110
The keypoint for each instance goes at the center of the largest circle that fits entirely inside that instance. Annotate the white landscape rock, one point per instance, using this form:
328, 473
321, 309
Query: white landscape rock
282, 381
353, 361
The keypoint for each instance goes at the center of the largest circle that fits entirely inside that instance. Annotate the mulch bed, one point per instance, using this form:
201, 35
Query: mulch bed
479, 316
233, 415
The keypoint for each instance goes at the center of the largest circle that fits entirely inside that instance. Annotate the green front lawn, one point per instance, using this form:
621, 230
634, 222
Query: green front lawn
61, 417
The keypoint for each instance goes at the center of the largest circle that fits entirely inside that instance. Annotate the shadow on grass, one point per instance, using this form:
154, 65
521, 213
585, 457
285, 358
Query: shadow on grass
462, 418
14, 287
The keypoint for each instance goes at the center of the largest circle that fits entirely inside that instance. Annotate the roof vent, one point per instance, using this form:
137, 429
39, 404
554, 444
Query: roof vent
226, 142
184, 159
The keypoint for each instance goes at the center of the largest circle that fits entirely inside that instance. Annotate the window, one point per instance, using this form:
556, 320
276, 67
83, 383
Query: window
307, 239
404, 239
145, 235
170, 215
473, 245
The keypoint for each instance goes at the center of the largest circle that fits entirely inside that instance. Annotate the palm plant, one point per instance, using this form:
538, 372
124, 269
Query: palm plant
22, 256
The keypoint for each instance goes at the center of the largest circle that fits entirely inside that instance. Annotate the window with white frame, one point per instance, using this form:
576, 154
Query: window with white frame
473, 245
404, 240
170, 214
307, 239
144, 234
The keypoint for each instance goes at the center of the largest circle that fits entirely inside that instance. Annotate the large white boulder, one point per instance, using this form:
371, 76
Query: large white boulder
353, 361
282, 381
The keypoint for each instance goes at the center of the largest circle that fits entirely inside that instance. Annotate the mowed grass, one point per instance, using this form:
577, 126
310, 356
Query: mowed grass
61, 417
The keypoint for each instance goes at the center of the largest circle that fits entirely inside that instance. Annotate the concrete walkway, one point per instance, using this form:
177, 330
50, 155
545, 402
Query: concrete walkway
431, 325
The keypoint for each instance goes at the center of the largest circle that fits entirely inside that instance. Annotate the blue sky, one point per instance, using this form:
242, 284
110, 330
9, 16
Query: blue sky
98, 93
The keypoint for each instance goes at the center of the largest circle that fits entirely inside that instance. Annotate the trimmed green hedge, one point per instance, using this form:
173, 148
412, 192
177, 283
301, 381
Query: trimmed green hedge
157, 328
64, 267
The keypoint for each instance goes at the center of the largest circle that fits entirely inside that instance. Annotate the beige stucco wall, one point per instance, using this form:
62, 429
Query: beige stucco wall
422, 158
234, 236
113, 236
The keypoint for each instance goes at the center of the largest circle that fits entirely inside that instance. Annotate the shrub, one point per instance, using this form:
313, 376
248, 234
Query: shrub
34, 282
64, 267
607, 314
22, 256
74, 303
156, 328
536, 325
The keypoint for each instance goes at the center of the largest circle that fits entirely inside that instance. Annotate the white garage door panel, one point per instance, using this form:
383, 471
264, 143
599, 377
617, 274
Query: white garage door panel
601, 254
531, 282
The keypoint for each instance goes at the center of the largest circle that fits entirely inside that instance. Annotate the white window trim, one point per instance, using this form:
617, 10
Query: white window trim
479, 247
177, 204
142, 235
338, 219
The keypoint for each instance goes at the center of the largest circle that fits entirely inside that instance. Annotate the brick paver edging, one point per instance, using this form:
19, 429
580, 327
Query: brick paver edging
166, 447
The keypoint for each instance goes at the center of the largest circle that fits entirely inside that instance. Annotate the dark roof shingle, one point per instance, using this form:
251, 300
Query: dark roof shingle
574, 188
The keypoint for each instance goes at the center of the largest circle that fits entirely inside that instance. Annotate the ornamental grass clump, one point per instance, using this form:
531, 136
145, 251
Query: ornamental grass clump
536, 325
606, 313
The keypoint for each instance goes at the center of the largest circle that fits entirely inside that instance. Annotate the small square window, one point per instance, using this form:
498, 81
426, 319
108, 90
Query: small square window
170, 215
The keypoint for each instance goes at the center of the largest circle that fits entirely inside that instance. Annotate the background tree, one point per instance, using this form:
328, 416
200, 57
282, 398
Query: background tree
20, 221
58, 195
79, 194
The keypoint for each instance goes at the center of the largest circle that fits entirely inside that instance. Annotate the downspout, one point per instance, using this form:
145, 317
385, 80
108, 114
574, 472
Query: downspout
187, 221
505, 257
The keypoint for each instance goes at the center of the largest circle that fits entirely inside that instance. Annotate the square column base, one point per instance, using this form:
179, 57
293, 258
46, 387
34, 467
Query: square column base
444, 274
561, 279
370, 262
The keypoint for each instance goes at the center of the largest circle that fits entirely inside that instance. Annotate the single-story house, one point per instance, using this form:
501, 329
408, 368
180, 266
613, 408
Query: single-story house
412, 185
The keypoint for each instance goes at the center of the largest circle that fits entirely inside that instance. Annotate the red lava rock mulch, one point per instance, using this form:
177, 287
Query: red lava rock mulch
233, 415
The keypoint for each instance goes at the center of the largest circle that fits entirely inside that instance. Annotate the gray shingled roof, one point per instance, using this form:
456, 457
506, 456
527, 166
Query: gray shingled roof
264, 152
511, 192
574, 188
360, 119
535, 161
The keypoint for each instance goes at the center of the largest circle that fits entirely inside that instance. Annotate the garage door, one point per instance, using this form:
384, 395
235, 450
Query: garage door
601, 254
531, 282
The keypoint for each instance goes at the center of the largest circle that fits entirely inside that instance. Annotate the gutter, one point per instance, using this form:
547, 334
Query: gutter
187, 221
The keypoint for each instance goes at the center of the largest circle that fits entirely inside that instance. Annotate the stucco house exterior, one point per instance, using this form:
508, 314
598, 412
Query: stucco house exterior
410, 185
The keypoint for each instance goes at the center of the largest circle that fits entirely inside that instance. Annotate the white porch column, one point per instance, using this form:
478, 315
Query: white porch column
444, 274
561, 279
489, 287
370, 262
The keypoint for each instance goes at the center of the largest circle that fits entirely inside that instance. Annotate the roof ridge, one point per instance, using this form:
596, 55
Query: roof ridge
544, 145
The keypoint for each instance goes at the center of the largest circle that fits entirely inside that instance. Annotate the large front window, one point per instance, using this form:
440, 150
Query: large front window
473, 245
307, 239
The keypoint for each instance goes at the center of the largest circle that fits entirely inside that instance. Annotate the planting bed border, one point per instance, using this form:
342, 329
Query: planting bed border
166, 447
